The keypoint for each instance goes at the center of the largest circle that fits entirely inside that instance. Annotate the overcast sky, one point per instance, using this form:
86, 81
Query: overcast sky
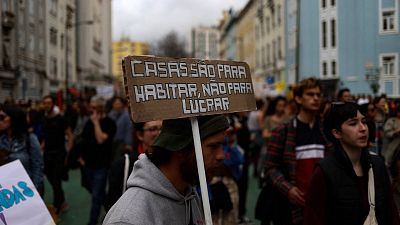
148, 20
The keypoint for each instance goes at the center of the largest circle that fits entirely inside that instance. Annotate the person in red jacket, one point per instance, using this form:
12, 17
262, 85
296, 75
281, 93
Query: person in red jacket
338, 192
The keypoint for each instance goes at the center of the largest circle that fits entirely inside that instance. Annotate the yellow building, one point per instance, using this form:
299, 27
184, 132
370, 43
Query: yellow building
245, 37
123, 48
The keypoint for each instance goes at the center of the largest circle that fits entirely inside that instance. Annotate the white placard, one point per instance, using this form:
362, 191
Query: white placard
105, 91
20, 203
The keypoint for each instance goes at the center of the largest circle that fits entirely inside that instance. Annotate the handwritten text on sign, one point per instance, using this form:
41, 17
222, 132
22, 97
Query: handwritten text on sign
186, 87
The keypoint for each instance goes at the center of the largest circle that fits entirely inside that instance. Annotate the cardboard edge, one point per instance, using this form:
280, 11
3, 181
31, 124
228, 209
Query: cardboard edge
126, 88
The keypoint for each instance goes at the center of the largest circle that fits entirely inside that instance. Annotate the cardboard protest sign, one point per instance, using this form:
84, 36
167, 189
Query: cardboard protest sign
168, 88
20, 203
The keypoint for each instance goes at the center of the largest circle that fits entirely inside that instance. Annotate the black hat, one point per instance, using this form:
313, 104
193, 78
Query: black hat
177, 134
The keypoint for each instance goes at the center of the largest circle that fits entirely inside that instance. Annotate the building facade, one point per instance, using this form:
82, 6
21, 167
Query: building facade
227, 42
8, 78
353, 44
93, 44
60, 46
121, 49
270, 45
246, 40
31, 58
23, 60
204, 42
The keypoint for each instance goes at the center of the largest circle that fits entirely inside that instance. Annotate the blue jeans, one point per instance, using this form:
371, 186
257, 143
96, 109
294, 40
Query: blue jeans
97, 180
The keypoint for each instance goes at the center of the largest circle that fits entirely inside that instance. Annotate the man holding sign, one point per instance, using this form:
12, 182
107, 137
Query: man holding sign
164, 89
160, 189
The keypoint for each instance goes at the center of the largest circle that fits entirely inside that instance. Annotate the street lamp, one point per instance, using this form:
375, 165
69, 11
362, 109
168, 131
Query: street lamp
69, 25
372, 74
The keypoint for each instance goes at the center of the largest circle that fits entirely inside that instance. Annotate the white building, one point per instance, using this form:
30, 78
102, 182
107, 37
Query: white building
204, 42
60, 44
270, 44
94, 43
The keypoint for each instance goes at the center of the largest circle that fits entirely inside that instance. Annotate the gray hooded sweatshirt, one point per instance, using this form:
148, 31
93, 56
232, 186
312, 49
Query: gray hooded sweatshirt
151, 199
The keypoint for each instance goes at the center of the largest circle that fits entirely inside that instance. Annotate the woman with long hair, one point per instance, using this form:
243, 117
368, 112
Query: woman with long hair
17, 144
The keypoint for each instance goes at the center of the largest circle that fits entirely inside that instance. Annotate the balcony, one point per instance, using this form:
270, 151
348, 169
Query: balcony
7, 21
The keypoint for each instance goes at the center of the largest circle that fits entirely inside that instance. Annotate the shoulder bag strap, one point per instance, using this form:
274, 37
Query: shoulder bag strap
371, 218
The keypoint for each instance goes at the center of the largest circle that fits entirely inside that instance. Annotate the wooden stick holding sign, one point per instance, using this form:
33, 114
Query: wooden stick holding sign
200, 168
167, 88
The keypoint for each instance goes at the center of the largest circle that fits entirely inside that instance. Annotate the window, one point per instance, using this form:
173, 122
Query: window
62, 41
258, 31
267, 24
32, 80
62, 71
333, 67
21, 39
388, 65
279, 48
262, 30
41, 47
31, 43
262, 57
41, 9
7, 6
333, 3
258, 58
53, 67
31, 7
53, 36
324, 34
333, 33
268, 54
273, 22
53, 7
388, 20
278, 15
323, 4
324, 68
273, 51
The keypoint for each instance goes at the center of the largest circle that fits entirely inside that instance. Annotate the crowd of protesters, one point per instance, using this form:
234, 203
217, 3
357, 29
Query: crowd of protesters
284, 141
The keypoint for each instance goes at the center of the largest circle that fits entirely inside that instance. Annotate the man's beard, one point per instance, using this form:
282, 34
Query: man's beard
188, 170
50, 111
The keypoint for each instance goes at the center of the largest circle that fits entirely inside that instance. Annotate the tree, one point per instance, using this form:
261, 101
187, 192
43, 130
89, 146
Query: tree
171, 45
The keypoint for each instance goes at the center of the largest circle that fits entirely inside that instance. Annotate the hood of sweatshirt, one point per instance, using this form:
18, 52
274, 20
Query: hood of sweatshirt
147, 176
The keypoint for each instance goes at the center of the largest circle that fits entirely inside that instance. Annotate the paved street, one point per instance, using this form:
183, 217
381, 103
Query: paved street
79, 200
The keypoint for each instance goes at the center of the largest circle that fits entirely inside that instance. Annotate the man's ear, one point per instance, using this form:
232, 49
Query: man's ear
139, 135
298, 99
337, 134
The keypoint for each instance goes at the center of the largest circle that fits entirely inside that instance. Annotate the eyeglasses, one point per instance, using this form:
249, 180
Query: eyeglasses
152, 129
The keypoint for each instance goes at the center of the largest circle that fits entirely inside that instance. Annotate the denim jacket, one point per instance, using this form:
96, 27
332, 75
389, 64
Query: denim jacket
31, 158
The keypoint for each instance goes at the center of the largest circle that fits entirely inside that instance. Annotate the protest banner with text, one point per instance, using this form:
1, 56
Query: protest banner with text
168, 88
20, 203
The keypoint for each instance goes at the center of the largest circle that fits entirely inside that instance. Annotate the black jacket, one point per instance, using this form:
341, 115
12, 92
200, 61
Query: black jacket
344, 199
116, 179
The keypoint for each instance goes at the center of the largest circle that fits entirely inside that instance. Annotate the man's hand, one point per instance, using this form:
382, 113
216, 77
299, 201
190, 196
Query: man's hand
95, 117
81, 161
296, 196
